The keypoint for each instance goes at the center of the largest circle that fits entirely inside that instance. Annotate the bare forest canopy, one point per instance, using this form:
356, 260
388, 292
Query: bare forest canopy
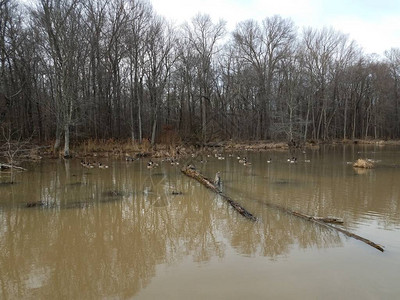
79, 69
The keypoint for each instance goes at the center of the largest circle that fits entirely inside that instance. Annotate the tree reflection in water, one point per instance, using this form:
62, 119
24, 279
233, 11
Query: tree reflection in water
112, 247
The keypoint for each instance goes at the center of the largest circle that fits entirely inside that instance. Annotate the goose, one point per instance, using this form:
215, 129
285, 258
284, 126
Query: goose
269, 160
151, 165
174, 162
217, 180
246, 163
87, 164
129, 158
101, 166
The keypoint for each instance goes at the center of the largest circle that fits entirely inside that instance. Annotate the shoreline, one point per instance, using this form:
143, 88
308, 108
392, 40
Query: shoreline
121, 149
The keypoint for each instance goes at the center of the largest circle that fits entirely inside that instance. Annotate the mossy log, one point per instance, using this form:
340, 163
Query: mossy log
191, 172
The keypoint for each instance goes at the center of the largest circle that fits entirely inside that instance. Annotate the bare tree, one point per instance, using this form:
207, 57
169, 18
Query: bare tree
140, 16
11, 148
62, 23
393, 59
324, 52
203, 35
160, 58
263, 48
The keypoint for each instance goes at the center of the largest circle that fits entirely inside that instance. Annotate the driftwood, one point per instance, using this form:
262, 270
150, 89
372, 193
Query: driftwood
314, 218
191, 172
324, 221
7, 166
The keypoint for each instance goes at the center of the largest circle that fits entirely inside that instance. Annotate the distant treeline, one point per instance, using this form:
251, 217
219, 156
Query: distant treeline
77, 69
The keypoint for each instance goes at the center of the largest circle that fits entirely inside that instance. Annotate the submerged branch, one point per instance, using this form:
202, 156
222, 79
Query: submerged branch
191, 172
324, 222
314, 218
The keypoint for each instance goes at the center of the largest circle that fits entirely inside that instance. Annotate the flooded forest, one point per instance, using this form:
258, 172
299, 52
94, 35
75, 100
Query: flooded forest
140, 158
74, 70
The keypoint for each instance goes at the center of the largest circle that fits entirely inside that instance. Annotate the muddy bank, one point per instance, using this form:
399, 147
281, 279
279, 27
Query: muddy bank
132, 151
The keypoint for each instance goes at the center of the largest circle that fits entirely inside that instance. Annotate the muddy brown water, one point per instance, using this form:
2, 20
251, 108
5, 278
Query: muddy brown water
128, 232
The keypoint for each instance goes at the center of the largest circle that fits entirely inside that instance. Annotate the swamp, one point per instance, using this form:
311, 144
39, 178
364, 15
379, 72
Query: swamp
68, 231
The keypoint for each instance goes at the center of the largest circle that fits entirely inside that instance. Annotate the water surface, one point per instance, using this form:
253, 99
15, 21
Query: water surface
128, 232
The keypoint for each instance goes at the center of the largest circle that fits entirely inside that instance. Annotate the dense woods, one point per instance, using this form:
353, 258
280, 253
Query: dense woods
71, 70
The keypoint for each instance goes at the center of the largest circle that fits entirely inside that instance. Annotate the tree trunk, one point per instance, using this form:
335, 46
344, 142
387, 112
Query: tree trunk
203, 119
191, 172
345, 119
66, 141
153, 132
57, 143
139, 99
307, 117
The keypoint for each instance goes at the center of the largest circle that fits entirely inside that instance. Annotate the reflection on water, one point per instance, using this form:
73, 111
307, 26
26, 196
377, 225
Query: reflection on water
104, 233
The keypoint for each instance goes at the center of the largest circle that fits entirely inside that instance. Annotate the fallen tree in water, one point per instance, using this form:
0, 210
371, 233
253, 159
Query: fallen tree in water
324, 222
8, 166
191, 172
314, 218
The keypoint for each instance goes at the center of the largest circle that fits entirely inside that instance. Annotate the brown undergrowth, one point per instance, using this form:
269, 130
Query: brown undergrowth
175, 148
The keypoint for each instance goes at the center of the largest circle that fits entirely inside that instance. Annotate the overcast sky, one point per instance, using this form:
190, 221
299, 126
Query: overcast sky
373, 24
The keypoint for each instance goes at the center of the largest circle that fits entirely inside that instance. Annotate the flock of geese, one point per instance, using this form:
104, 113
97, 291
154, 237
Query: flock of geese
92, 165
174, 161
242, 160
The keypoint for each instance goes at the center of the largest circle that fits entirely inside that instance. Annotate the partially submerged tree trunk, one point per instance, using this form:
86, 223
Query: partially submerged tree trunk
191, 172
8, 166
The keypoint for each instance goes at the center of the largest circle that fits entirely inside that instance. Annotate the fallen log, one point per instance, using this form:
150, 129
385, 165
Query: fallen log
315, 218
324, 222
190, 171
7, 166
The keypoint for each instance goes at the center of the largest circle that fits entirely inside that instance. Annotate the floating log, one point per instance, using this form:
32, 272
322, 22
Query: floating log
176, 193
314, 218
7, 166
34, 204
324, 222
191, 172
